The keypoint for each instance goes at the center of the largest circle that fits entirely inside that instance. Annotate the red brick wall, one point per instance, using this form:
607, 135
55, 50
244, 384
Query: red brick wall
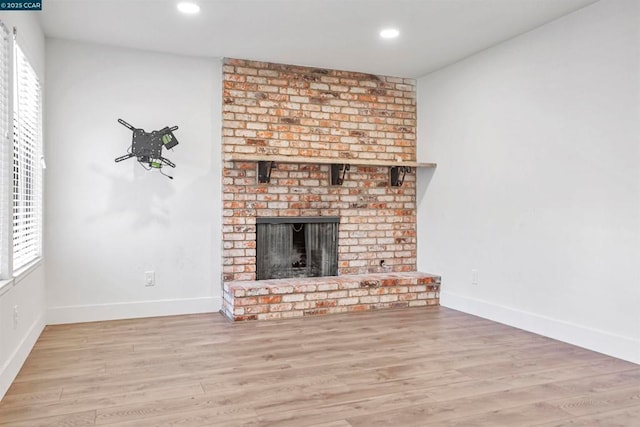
309, 112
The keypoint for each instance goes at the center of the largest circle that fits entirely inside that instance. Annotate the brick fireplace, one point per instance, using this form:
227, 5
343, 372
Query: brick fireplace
311, 117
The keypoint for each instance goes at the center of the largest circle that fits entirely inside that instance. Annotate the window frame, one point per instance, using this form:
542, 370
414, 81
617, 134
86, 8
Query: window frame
6, 147
9, 47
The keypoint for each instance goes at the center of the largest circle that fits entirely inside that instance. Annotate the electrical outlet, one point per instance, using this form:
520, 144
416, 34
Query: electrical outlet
15, 317
474, 277
149, 278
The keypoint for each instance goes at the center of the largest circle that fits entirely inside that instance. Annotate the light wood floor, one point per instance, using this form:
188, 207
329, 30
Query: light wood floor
390, 368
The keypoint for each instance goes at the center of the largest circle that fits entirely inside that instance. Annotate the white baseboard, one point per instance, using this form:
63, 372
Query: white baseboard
604, 342
13, 365
132, 310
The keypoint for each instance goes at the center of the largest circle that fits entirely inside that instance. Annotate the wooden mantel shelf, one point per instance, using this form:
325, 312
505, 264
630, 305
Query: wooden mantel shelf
242, 157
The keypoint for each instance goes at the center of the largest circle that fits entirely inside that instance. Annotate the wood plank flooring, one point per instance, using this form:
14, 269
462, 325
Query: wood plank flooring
422, 367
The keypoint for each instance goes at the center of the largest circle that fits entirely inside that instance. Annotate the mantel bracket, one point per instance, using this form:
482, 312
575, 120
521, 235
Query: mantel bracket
397, 175
264, 171
338, 172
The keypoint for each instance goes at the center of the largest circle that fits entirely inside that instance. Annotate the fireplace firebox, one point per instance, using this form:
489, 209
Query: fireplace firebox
289, 247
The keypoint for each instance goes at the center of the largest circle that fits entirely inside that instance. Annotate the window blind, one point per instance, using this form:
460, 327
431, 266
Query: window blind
27, 174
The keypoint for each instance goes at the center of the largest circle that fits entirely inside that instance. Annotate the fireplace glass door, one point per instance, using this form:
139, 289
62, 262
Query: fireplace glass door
296, 249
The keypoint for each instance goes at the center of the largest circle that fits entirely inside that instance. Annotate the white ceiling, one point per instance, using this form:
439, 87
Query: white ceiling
339, 34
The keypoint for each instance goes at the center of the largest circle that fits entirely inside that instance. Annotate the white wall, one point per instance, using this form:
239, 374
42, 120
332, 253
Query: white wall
107, 223
28, 292
538, 184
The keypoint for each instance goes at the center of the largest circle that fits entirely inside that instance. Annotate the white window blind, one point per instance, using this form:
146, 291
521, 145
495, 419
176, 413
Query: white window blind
27, 173
5, 150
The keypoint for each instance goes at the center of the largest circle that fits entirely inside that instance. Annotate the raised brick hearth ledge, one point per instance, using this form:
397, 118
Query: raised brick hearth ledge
286, 298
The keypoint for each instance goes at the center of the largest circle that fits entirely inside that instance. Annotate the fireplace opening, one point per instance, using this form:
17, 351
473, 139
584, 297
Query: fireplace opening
296, 247
299, 247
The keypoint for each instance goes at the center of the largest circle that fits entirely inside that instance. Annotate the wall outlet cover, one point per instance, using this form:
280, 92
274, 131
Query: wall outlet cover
149, 278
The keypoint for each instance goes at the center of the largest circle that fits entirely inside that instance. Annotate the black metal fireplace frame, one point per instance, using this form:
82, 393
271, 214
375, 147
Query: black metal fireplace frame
297, 219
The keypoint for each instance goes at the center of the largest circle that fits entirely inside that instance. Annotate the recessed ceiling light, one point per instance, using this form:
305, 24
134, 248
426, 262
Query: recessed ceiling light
389, 33
188, 8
